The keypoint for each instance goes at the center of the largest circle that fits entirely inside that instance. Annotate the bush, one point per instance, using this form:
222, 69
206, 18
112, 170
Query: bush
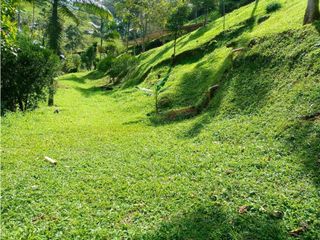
272, 7
88, 57
105, 64
27, 70
121, 66
72, 63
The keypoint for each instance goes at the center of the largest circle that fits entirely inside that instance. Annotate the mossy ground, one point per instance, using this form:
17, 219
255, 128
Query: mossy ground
121, 175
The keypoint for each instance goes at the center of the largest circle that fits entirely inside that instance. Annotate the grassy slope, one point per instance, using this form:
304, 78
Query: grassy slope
240, 31
122, 176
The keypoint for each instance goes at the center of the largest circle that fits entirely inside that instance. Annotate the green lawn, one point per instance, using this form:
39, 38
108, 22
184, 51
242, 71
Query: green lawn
123, 174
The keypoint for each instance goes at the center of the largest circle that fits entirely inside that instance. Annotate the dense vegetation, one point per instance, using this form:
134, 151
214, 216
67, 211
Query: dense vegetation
213, 134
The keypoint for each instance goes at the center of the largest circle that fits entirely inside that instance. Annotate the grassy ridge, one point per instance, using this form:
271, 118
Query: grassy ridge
121, 175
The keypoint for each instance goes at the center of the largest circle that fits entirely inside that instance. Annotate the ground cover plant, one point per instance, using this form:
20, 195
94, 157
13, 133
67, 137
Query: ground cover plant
244, 167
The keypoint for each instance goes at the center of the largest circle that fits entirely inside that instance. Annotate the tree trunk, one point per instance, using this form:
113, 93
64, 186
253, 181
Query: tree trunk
101, 36
206, 17
55, 30
312, 12
156, 103
19, 19
20, 103
51, 93
127, 35
224, 14
174, 47
33, 10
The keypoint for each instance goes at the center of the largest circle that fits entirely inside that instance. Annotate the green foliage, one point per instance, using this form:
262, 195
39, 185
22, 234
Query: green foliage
177, 19
72, 63
122, 65
26, 74
89, 56
8, 25
74, 37
105, 64
121, 175
272, 7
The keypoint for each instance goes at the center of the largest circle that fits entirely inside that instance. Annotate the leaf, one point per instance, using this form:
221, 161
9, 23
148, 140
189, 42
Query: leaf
149, 92
94, 8
67, 12
298, 231
244, 209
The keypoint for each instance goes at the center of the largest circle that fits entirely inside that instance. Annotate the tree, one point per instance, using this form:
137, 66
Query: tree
8, 25
223, 12
126, 10
206, 5
59, 9
89, 56
74, 37
175, 23
100, 10
312, 12
26, 74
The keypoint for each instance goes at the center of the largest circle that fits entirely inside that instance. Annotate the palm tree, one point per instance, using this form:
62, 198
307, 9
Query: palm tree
65, 8
100, 10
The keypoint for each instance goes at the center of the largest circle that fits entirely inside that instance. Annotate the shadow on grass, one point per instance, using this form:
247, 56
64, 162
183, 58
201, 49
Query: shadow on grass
74, 78
302, 138
243, 87
213, 222
89, 92
255, 8
94, 75
317, 26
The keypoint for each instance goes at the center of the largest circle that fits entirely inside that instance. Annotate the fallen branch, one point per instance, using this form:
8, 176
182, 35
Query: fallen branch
50, 160
238, 50
311, 117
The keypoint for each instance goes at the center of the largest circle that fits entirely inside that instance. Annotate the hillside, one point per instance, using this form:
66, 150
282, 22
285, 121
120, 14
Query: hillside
245, 166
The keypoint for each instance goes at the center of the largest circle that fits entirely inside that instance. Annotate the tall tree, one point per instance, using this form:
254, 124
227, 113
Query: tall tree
312, 12
175, 23
99, 10
60, 9
205, 5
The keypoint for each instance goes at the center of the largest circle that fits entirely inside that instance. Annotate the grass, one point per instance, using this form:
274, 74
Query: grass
120, 175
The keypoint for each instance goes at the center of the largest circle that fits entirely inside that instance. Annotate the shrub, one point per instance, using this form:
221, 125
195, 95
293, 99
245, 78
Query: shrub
105, 64
89, 56
121, 66
26, 73
272, 7
72, 63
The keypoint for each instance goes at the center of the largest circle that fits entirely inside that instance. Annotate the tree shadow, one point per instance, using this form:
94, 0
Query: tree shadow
254, 8
94, 75
302, 138
93, 91
245, 94
213, 222
317, 26
74, 78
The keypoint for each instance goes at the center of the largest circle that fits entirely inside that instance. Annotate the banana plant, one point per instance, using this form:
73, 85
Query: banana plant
158, 88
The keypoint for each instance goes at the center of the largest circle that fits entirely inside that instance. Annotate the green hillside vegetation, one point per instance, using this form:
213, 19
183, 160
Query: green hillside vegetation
241, 164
